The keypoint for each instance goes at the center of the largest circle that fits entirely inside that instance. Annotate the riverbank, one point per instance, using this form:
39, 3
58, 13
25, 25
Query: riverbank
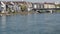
22, 13
26, 12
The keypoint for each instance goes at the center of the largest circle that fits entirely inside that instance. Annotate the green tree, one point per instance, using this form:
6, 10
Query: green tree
23, 7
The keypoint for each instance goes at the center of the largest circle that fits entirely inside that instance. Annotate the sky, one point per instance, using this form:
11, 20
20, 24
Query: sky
35, 0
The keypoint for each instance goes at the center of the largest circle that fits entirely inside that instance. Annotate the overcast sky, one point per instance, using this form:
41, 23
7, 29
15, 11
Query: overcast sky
35, 0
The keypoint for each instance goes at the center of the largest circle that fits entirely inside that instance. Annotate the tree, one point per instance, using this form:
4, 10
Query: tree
23, 7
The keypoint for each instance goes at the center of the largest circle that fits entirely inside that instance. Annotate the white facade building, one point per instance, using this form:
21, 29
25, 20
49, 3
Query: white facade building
4, 7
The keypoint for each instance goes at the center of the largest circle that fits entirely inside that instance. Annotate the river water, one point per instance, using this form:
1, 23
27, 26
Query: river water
43, 23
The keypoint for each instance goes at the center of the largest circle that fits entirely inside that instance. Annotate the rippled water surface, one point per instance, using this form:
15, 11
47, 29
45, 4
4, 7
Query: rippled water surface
30, 24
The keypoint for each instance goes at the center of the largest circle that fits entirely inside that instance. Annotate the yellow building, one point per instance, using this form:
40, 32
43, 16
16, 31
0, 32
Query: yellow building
49, 5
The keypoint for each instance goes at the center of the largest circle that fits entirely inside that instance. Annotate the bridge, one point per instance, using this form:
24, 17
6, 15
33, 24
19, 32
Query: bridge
49, 9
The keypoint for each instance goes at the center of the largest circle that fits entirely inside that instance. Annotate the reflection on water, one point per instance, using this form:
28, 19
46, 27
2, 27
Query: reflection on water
30, 24
3, 24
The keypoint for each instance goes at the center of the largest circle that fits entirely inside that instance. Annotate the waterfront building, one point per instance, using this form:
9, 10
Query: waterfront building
9, 7
49, 5
3, 5
29, 6
0, 7
38, 5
